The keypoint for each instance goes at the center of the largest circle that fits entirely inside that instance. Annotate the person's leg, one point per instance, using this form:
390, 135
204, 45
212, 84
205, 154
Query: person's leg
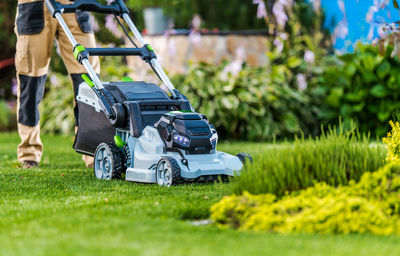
33, 51
81, 28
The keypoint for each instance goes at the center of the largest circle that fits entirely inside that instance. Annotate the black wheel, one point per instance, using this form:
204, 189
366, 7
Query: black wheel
168, 172
119, 111
245, 158
108, 162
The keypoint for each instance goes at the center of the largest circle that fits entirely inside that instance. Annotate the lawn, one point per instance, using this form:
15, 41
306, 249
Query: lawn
61, 209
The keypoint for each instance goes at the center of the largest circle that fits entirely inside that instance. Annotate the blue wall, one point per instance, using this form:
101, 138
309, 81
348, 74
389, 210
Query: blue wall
356, 11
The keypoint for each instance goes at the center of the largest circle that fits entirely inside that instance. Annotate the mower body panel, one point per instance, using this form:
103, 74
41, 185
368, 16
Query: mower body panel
148, 107
149, 149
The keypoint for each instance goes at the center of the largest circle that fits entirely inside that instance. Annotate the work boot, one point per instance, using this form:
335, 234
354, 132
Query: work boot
29, 164
89, 161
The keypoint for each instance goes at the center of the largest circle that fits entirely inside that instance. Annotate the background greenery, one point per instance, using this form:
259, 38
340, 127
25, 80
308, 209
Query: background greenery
255, 105
362, 87
259, 103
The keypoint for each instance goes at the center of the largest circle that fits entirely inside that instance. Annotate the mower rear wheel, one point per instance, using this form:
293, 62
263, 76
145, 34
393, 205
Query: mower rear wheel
108, 162
168, 172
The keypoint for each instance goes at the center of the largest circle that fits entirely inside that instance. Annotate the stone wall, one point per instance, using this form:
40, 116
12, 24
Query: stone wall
178, 51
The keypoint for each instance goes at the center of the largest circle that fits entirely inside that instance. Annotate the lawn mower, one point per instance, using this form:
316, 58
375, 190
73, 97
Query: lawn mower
151, 134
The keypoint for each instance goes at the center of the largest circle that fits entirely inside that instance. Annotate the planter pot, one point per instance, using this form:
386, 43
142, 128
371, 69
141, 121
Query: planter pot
155, 21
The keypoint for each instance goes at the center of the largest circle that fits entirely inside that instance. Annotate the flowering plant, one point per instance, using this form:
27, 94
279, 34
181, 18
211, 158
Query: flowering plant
392, 142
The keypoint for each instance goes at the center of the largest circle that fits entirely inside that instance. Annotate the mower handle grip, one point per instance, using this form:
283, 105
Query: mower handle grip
118, 7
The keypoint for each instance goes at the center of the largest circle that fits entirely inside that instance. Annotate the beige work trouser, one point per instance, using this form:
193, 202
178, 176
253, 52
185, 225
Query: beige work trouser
36, 31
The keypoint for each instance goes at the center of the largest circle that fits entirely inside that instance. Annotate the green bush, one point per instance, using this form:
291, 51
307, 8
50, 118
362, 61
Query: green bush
335, 157
8, 115
392, 141
7, 46
4, 114
277, 100
370, 206
56, 109
363, 87
255, 105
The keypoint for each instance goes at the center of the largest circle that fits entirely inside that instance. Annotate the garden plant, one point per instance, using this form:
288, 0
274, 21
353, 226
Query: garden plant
336, 157
369, 205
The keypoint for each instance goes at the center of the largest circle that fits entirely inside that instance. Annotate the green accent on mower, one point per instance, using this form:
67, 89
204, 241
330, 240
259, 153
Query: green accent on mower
180, 111
118, 141
150, 48
87, 80
126, 79
78, 49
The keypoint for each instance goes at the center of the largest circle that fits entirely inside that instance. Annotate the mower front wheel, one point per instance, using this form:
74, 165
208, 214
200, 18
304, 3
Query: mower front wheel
108, 162
168, 172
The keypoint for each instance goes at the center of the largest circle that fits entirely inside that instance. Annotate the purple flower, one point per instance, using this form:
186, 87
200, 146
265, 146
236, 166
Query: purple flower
170, 30
371, 30
58, 51
14, 86
381, 4
342, 6
383, 30
301, 82
240, 53
232, 68
196, 22
283, 36
371, 13
11, 104
341, 30
279, 12
112, 26
171, 47
54, 80
278, 44
370, 17
235, 66
316, 5
309, 57
195, 37
261, 10
95, 24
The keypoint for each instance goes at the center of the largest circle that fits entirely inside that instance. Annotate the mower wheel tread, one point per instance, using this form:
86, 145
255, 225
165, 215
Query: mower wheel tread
175, 169
118, 160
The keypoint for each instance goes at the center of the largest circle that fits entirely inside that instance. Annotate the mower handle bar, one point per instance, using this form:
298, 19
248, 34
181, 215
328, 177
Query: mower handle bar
143, 52
117, 7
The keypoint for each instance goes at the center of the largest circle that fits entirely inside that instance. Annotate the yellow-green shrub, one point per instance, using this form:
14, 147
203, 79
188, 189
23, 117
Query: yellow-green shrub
370, 206
392, 142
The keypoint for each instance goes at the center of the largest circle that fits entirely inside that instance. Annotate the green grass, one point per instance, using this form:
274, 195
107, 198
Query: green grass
335, 157
61, 209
